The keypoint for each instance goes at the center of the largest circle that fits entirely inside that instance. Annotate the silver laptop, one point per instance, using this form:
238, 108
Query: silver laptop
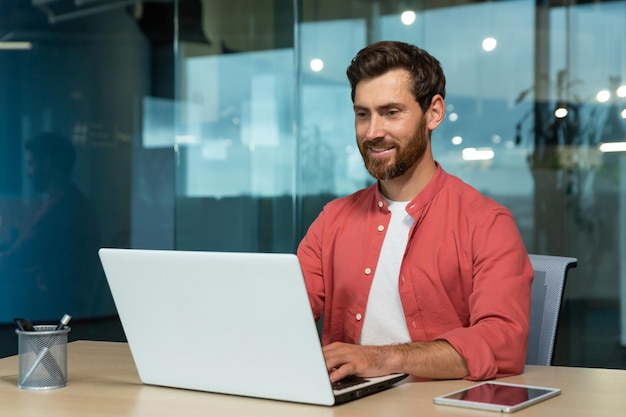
231, 323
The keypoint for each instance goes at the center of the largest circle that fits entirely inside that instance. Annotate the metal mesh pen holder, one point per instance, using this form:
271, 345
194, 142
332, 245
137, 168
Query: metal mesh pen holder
42, 358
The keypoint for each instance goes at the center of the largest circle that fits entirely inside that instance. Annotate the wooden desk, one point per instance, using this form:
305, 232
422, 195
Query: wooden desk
103, 381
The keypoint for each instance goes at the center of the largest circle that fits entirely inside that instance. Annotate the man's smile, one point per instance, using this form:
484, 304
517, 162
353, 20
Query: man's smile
379, 151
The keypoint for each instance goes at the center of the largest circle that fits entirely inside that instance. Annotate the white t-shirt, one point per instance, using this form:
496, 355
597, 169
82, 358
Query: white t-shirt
384, 321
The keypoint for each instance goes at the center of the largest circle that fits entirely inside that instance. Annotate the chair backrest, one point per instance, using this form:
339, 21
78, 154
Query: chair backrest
547, 295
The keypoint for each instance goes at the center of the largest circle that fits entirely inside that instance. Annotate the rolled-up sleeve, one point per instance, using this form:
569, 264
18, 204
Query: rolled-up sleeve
495, 342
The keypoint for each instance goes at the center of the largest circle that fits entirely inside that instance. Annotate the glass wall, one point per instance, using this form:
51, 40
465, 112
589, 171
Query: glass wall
74, 81
212, 125
524, 121
532, 93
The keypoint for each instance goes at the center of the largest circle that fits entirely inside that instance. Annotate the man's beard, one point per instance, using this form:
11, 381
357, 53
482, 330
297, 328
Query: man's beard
406, 155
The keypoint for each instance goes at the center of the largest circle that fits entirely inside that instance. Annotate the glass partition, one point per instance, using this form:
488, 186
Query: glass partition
211, 125
236, 152
72, 79
535, 96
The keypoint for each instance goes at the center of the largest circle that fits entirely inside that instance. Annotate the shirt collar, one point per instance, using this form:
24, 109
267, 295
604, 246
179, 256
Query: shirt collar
424, 197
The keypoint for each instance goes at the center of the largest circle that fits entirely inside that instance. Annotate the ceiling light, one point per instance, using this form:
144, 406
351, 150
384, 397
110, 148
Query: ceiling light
612, 147
489, 44
16, 46
477, 154
408, 17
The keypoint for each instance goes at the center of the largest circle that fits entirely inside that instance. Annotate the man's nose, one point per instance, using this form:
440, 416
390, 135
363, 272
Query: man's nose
375, 128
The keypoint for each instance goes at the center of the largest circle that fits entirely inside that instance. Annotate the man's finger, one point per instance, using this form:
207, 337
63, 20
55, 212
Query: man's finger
339, 373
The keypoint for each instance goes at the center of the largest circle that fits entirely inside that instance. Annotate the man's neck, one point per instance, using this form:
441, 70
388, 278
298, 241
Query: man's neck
407, 186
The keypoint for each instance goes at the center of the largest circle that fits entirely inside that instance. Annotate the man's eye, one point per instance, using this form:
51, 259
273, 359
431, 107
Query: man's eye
360, 115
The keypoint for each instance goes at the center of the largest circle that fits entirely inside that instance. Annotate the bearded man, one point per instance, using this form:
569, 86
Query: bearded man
419, 273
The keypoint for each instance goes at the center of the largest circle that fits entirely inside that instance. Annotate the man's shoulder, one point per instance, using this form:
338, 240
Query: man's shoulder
360, 198
469, 197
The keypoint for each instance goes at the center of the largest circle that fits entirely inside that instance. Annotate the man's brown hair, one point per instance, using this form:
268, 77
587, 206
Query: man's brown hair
427, 77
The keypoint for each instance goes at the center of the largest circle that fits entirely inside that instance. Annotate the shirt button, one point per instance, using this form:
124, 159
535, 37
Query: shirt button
381, 228
368, 271
359, 317
380, 204
413, 322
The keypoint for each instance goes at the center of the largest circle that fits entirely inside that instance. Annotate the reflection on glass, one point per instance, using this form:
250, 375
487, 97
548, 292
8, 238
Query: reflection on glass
51, 267
238, 173
239, 108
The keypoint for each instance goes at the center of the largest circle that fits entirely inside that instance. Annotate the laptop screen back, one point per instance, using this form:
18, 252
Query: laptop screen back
234, 323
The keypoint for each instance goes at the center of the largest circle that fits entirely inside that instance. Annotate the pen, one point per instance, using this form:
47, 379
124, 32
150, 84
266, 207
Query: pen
28, 326
64, 321
20, 324
46, 357
32, 368
24, 325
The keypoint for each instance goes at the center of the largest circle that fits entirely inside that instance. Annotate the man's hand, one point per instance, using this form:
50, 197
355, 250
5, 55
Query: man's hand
343, 359
436, 359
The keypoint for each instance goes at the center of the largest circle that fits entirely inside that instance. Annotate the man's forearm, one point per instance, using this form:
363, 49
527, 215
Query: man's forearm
437, 360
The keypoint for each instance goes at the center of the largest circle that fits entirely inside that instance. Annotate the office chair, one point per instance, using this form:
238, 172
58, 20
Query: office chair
547, 294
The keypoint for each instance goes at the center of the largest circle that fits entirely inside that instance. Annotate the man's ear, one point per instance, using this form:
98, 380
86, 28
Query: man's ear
435, 112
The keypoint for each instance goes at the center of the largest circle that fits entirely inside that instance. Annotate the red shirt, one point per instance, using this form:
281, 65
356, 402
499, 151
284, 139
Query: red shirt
465, 275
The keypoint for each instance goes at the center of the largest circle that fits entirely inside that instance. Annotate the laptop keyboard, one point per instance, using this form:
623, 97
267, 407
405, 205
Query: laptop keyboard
348, 381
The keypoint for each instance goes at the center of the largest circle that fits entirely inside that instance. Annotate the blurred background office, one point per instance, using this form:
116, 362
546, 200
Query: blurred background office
226, 125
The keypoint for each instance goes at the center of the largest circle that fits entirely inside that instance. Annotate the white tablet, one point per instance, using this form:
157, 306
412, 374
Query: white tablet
497, 396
